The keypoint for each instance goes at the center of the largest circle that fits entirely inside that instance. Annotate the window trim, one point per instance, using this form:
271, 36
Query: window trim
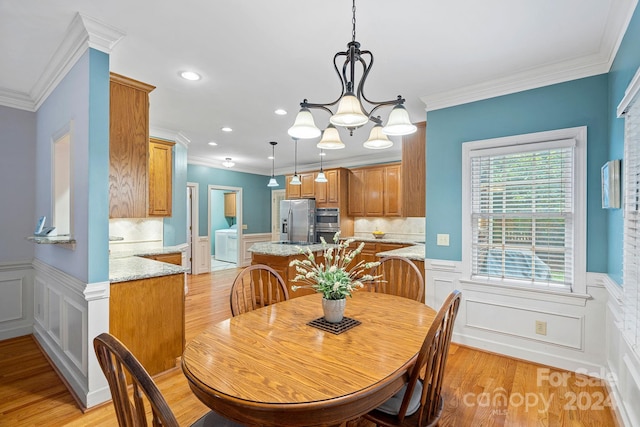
579, 134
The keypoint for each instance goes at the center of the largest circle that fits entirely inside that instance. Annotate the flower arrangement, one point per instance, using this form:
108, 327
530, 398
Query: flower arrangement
332, 278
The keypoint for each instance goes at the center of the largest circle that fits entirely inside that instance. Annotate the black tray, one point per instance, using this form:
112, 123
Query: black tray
335, 328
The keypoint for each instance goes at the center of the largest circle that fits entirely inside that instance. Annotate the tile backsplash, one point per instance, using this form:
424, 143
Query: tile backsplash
395, 228
135, 234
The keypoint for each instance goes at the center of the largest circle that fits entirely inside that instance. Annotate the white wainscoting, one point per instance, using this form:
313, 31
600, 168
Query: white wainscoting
247, 241
68, 315
201, 262
503, 320
623, 363
16, 299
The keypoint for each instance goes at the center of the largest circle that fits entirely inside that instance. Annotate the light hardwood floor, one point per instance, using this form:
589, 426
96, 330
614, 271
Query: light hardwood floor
481, 389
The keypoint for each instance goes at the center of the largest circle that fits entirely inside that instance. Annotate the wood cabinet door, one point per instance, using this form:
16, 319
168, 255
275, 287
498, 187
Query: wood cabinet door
308, 189
230, 204
321, 192
128, 147
374, 192
333, 187
414, 172
160, 184
292, 191
393, 190
356, 193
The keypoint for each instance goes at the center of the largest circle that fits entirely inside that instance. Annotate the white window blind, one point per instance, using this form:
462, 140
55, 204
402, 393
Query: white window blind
631, 251
522, 213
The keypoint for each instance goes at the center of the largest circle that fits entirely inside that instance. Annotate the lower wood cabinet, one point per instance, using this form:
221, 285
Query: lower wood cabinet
147, 315
281, 265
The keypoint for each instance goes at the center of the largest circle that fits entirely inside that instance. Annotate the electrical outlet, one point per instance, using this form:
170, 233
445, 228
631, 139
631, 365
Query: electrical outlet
442, 240
541, 327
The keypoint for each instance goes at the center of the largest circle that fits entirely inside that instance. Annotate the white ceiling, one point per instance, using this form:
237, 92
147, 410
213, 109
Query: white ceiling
256, 56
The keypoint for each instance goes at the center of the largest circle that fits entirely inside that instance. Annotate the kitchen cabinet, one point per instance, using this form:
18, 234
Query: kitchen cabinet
160, 181
230, 204
307, 189
333, 193
280, 263
172, 258
147, 315
128, 147
414, 170
376, 191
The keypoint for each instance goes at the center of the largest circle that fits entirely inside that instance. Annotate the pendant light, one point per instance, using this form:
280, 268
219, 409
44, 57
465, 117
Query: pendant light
272, 181
352, 107
321, 177
296, 179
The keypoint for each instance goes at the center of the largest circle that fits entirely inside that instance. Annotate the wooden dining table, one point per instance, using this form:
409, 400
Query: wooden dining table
270, 367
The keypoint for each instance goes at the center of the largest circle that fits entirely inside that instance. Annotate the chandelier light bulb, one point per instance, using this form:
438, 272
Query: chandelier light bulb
399, 122
304, 127
330, 139
377, 139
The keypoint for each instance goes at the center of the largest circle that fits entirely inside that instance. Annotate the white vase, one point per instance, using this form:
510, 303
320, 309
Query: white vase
333, 309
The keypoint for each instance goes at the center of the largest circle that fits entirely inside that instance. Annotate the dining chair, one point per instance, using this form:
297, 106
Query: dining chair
120, 366
256, 286
398, 276
419, 402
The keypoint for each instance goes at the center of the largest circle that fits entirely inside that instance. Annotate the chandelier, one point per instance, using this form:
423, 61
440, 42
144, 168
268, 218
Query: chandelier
351, 112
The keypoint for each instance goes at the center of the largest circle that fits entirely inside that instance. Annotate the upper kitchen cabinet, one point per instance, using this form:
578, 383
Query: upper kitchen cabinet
414, 168
160, 187
333, 193
376, 191
230, 204
140, 177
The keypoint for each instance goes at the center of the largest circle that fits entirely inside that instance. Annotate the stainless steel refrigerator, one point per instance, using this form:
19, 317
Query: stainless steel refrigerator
298, 221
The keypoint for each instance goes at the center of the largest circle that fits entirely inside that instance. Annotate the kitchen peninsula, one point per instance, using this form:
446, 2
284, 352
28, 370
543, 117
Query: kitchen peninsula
279, 255
146, 306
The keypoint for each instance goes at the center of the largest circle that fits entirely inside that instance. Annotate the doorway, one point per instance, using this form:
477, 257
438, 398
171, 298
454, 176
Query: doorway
225, 226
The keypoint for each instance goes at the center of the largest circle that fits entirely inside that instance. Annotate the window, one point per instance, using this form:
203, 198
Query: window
631, 251
523, 213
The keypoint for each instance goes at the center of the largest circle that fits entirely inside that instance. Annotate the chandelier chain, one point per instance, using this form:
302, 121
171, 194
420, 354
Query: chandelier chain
353, 22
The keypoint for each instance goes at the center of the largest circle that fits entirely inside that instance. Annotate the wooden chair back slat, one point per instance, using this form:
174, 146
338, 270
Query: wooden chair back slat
399, 276
256, 286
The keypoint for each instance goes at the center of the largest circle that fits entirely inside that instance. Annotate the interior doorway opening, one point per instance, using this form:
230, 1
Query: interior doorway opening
225, 226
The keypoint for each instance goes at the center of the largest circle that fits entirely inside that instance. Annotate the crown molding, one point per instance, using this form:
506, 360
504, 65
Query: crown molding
83, 33
170, 135
548, 74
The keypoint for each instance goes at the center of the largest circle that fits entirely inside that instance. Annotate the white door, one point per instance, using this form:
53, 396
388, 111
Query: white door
276, 197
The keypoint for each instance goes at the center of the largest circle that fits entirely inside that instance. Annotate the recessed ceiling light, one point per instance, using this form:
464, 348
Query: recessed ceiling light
226, 129
270, 157
281, 112
322, 153
190, 75
212, 143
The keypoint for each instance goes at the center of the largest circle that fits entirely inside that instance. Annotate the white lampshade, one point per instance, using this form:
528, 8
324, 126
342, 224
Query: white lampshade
377, 139
330, 139
272, 182
295, 180
349, 112
321, 177
304, 126
399, 122
228, 163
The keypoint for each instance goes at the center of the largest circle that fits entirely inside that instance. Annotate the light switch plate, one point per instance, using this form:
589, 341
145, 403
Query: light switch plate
244, 226
442, 240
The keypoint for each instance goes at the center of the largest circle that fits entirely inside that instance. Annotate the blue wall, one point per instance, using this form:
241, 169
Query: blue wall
256, 202
624, 67
571, 104
82, 97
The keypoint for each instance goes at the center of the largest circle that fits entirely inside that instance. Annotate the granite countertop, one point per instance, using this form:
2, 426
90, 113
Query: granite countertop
284, 249
404, 241
415, 252
130, 265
